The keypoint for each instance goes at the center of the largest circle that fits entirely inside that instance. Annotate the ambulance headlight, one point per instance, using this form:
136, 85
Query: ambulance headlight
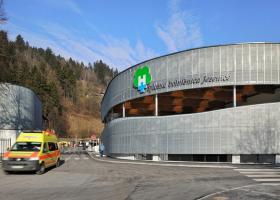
35, 158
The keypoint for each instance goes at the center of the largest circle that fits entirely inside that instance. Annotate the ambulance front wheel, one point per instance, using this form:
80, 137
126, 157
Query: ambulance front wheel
41, 169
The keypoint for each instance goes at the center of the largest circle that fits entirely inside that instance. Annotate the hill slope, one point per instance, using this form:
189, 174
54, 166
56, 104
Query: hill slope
69, 90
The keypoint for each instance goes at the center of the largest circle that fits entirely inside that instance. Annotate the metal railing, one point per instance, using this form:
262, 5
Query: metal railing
4, 144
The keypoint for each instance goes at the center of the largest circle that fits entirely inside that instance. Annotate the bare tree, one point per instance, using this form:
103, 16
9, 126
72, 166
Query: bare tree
3, 17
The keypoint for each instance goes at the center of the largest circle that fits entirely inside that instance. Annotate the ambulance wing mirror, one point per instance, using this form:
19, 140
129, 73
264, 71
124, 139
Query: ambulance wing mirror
8, 148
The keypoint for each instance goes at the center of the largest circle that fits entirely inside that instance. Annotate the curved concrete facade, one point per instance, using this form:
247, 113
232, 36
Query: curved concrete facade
239, 130
242, 130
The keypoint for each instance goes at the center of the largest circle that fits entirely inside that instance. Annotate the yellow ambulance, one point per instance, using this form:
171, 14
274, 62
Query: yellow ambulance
33, 151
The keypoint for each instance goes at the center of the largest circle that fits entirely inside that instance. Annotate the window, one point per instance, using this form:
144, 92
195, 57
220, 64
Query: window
26, 146
52, 146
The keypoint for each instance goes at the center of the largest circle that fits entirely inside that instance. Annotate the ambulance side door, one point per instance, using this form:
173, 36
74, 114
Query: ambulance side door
46, 155
52, 152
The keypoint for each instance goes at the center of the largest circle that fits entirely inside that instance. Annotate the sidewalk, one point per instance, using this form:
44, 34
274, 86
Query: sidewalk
96, 156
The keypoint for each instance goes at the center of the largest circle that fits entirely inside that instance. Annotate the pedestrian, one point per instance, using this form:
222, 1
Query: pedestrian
91, 144
101, 149
84, 145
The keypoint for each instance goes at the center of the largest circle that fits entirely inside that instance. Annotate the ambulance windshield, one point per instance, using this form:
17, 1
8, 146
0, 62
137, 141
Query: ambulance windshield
26, 146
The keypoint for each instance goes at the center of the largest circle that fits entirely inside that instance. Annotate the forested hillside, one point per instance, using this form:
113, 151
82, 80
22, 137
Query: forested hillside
70, 91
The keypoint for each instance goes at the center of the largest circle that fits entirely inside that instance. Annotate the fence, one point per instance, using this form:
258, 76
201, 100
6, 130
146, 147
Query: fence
4, 144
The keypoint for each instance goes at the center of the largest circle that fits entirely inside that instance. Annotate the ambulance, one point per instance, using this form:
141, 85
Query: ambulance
32, 151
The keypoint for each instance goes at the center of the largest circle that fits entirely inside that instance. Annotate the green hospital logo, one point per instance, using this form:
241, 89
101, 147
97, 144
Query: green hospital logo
142, 78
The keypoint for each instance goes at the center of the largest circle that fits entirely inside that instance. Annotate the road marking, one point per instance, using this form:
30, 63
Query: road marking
227, 190
258, 170
85, 158
242, 188
273, 184
258, 192
77, 158
267, 179
263, 175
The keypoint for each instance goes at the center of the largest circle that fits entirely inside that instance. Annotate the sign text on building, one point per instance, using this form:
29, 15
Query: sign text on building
184, 81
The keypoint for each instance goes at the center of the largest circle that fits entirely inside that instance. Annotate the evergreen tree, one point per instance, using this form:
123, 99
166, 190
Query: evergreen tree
116, 72
20, 44
4, 57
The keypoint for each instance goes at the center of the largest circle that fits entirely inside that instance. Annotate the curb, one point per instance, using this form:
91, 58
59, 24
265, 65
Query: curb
160, 164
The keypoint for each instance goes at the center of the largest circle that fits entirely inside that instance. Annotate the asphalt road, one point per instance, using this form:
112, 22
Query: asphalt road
81, 177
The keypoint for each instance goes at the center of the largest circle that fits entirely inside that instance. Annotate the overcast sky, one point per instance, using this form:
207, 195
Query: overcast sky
125, 32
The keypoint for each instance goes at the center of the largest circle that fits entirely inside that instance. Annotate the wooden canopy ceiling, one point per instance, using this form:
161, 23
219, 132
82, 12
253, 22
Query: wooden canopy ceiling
191, 101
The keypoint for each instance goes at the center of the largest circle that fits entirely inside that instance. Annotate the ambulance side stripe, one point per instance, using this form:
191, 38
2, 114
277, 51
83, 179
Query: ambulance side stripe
54, 154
